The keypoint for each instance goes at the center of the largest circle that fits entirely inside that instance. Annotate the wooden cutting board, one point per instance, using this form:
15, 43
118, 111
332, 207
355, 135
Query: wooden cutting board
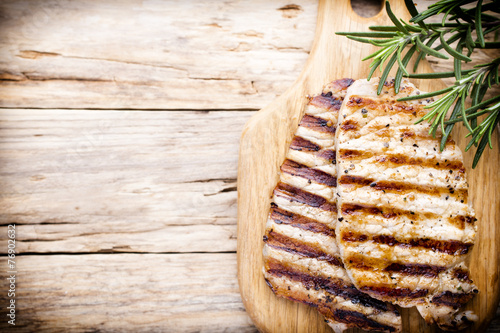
264, 143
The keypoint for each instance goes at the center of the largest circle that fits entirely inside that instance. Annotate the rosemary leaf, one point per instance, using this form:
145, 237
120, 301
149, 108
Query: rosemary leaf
479, 151
374, 66
400, 61
457, 64
385, 73
383, 28
437, 75
368, 34
479, 28
399, 72
362, 40
451, 51
427, 95
394, 19
449, 127
422, 54
428, 50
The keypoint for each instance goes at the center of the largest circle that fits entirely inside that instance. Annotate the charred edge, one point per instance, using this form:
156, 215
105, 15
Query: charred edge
395, 186
302, 144
318, 124
360, 321
295, 194
351, 209
386, 105
296, 169
349, 125
299, 300
454, 300
294, 246
451, 247
334, 287
270, 285
395, 292
281, 216
400, 159
462, 275
415, 269
327, 101
341, 84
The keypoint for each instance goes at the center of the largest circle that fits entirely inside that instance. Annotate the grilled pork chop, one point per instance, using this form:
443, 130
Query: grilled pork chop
302, 260
405, 224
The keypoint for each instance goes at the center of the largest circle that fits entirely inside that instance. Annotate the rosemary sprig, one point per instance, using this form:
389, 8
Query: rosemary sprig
399, 43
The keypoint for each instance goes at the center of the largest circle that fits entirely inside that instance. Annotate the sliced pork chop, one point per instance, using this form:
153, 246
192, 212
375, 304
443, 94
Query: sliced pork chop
405, 226
302, 260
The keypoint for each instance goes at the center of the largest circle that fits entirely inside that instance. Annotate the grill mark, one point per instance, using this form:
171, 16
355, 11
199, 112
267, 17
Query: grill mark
288, 244
327, 102
394, 160
296, 169
348, 154
415, 269
395, 292
391, 106
363, 263
462, 275
349, 125
455, 300
360, 320
339, 85
336, 287
451, 247
318, 124
399, 187
281, 216
341, 316
295, 194
301, 144
328, 154
389, 212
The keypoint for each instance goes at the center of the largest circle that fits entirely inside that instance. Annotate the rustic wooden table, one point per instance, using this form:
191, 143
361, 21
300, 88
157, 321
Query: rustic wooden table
119, 129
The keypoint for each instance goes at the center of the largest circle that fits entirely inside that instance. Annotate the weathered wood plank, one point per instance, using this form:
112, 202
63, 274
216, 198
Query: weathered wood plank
126, 293
80, 181
144, 55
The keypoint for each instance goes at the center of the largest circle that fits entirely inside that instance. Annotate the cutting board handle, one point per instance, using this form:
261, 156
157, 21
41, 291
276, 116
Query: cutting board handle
337, 56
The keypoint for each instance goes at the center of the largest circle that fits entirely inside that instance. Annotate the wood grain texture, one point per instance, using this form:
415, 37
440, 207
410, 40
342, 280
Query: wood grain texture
124, 185
127, 293
263, 145
151, 55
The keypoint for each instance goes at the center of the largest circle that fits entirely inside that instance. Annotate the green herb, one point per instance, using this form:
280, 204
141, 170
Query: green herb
458, 25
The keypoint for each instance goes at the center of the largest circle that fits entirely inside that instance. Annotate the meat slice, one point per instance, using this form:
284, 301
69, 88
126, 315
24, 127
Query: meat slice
406, 227
301, 258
